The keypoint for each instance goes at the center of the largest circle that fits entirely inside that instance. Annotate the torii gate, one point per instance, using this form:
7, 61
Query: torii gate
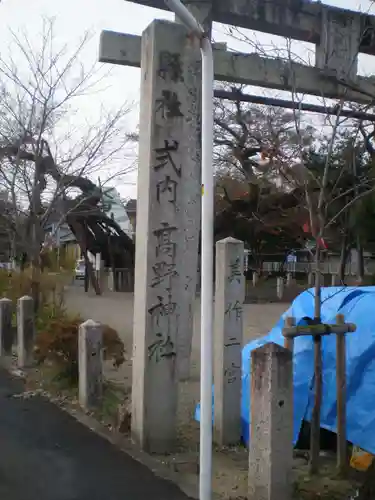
338, 35
168, 211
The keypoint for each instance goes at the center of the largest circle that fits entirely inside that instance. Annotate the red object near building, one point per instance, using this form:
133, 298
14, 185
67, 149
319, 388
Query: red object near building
320, 242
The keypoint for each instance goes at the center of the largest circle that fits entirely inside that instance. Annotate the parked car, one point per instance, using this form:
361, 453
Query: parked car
80, 270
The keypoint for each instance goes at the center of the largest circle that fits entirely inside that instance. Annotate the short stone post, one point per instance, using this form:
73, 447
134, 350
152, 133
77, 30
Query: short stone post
111, 281
228, 330
6, 330
271, 424
25, 331
98, 267
289, 279
280, 287
90, 363
334, 280
255, 278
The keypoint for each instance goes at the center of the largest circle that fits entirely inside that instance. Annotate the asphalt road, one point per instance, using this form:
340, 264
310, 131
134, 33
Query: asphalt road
45, 454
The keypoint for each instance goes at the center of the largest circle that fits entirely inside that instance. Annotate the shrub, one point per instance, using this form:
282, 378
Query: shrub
57, 342
19, 283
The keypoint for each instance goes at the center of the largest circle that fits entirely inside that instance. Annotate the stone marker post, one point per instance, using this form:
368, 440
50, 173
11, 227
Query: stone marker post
6, 330
255, 278
111, 280
162, 272
228, 331
25, 331
271, 428
289, 279
280, 287
90, 363
335, 280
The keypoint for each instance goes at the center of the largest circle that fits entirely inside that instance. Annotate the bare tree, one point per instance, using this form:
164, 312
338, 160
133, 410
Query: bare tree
329, 193
329, 197
244, 131
48, 147
257, 145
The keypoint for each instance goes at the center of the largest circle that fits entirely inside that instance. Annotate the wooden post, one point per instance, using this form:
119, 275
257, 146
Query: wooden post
318, 377
310, 279
341, 398
316, 330
315, 420
289, 341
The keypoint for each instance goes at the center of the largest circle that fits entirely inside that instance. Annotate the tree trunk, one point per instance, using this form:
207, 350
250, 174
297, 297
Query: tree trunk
343, 257
87, 279
89, 269
315, 419
90, 273
360, 262
37, 234
35, 262
112, 264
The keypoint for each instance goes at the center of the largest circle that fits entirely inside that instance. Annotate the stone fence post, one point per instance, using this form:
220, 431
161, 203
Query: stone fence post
335, 280
280, 287
228, 330
111, 280
25, 331
90, 363
271, 427
6, 330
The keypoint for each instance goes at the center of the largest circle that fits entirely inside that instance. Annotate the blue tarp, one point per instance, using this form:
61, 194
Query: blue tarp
358, 306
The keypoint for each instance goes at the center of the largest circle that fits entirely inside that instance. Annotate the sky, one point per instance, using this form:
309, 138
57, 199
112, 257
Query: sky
74, 17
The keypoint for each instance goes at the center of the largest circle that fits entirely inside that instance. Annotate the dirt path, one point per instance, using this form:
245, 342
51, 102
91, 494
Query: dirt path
116, 309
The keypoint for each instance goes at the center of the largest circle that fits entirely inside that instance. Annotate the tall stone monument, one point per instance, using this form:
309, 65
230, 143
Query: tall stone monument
163, 274
229, 299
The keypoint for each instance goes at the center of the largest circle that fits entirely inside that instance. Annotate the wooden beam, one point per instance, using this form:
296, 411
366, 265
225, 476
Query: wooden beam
297, 19
317, 330
249, 69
